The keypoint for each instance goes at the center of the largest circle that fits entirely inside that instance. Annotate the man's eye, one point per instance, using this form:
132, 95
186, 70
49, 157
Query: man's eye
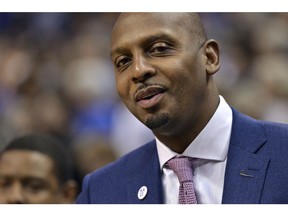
122, 61
35, 187
159, 49
5, 183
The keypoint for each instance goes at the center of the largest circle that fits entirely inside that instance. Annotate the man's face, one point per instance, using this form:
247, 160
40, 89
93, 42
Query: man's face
27, 177
160, 70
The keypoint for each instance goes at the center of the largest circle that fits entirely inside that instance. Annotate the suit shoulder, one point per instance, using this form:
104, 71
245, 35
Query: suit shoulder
257, 131
266, 126
113, 182
275, 129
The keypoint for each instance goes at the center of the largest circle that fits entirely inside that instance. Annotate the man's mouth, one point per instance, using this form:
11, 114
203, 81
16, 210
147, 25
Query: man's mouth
149, 96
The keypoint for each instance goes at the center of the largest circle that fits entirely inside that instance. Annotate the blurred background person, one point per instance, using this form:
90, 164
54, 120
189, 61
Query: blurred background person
36, 169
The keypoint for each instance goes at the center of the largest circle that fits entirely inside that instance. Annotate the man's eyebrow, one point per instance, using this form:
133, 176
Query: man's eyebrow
8, 176
40, 180
161, 36
144, 41
118, 51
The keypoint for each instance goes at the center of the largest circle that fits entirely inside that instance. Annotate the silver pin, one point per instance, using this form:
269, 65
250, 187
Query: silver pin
242, 173
142, 193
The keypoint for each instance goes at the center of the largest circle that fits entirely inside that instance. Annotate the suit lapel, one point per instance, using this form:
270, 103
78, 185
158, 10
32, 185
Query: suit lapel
245, 170
147, 173
244, 178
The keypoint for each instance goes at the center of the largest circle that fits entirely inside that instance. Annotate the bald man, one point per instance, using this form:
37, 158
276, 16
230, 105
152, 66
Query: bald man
164, 66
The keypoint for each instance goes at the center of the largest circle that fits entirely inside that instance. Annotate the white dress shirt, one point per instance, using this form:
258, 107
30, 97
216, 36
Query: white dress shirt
209, 150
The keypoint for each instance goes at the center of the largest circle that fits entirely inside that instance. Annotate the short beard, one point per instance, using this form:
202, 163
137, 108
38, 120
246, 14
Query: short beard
157, 121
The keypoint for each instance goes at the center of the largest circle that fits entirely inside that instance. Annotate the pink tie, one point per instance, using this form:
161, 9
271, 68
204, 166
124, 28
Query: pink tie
182, 167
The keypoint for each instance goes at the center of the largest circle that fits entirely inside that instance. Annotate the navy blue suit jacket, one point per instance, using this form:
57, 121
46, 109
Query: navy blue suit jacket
258, 150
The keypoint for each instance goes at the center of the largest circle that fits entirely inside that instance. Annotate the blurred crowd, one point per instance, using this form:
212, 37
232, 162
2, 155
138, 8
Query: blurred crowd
56, 78
254, 56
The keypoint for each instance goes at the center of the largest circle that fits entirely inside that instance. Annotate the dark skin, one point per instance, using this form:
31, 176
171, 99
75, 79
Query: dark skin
29, 177
164, 68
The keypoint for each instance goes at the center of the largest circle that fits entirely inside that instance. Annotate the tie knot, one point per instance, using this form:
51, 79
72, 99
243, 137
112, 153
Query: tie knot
182, 167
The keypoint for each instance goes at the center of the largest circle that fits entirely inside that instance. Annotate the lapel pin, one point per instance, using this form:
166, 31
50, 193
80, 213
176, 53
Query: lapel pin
142, 193
242, 173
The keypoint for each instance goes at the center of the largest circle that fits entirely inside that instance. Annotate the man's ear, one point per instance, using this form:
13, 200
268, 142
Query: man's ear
211, 49
69, 192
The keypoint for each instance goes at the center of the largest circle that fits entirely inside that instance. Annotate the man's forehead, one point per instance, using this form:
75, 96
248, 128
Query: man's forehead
148, 18
141, 25
25, 161
129, 23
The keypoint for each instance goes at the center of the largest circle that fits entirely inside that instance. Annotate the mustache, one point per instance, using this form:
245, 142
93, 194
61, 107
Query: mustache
145, 85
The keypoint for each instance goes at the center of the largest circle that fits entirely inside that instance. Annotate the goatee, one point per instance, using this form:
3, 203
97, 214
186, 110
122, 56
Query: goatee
157, 121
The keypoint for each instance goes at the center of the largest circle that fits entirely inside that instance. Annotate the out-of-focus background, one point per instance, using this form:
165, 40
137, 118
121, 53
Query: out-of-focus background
56, 78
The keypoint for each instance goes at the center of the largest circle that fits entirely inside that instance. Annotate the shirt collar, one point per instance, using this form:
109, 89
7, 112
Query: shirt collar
213, 141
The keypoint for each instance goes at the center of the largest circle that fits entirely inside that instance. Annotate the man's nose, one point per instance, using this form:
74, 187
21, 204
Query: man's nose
142, 69
16, 194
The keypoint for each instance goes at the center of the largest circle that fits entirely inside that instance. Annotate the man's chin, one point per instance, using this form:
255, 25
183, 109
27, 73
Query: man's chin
157, 121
